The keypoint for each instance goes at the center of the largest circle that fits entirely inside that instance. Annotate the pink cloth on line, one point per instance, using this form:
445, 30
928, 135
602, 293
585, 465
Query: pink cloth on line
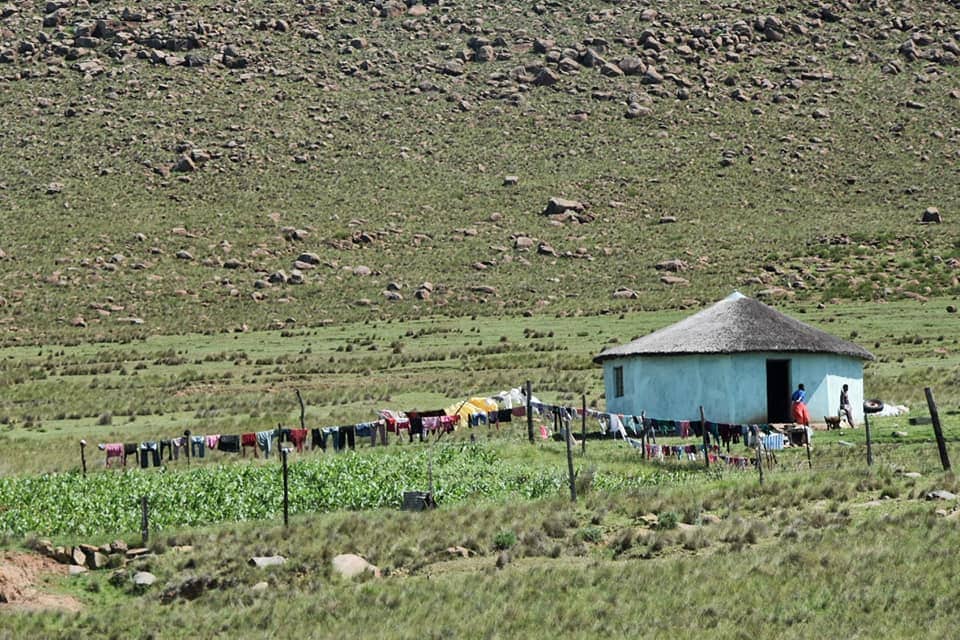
213, 441
114, 450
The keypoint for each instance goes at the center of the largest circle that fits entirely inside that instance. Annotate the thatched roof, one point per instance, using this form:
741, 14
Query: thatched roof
736, 324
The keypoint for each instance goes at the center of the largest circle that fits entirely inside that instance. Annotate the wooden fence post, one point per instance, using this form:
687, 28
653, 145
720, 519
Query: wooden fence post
286, 488
144, 521
529, 414
756, 439
303, 410
568, 437
706, 438
643, 435
937, 430
583, 430
866, 426
83, 457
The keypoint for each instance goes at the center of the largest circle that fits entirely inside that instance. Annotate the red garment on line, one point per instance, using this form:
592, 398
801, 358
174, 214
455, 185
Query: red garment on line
298, 437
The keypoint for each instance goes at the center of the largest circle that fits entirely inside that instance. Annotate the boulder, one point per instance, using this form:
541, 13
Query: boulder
546, 77
144, 578
561, 205
309, 258
523, 243
931, 215
941, 494
185, 165
674, 280
350, 565
266, 561
623, 293
78, 557
96, 560
674, 265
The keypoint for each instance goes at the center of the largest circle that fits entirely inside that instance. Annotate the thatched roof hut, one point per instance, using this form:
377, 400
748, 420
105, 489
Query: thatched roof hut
739, 359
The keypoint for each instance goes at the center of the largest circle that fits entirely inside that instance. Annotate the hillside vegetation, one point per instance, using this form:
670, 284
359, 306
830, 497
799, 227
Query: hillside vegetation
210, 166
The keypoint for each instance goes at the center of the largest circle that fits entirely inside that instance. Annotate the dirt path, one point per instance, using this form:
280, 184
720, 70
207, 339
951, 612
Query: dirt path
21, 575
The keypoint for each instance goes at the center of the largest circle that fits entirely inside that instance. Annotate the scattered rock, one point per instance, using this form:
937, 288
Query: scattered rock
309, 258
96, 560
900, 434
458, 551
185, 165
546, 77
523, 243
931, 215
260, 586
674, 265
674, 280
508, 181
912, 474
544, 249
266, 561
941, 494
560, 205
667, 220
184, 255
350, 565
623, 293
54, 188
143, 579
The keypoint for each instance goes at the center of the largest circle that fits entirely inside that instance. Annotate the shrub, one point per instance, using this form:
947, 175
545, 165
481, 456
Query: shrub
591, 534
504, 540
105, 419
668, 520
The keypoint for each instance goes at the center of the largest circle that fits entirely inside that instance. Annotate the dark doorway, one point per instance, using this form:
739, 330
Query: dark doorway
778, 391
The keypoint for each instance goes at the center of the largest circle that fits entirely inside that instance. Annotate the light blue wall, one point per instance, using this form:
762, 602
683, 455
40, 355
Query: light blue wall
731, 388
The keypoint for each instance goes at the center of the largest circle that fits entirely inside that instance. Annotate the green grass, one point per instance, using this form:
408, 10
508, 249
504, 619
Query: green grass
803, 551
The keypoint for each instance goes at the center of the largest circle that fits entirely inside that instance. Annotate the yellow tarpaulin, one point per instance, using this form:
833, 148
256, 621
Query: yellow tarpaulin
470, 407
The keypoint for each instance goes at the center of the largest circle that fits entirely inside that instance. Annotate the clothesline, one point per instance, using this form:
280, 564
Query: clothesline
475, 411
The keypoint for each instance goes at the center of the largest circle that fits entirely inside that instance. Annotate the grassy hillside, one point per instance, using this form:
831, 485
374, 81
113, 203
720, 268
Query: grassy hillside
159, 165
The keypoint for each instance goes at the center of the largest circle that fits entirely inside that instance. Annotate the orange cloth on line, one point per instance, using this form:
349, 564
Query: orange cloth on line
800, 414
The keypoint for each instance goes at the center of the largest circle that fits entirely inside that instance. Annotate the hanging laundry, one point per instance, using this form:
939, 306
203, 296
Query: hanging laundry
519, 412
130, 449
317, 440
265, 441
149, 451
248, 440
213, 441
684, 426
298, 437
198, 445
345, 437
616, 426
229, 444
113, 451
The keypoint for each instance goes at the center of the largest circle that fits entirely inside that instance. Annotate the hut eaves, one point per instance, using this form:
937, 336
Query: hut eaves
736, 324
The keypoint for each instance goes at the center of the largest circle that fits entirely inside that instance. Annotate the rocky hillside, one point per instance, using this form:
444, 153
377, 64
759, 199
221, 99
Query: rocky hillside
220, 165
